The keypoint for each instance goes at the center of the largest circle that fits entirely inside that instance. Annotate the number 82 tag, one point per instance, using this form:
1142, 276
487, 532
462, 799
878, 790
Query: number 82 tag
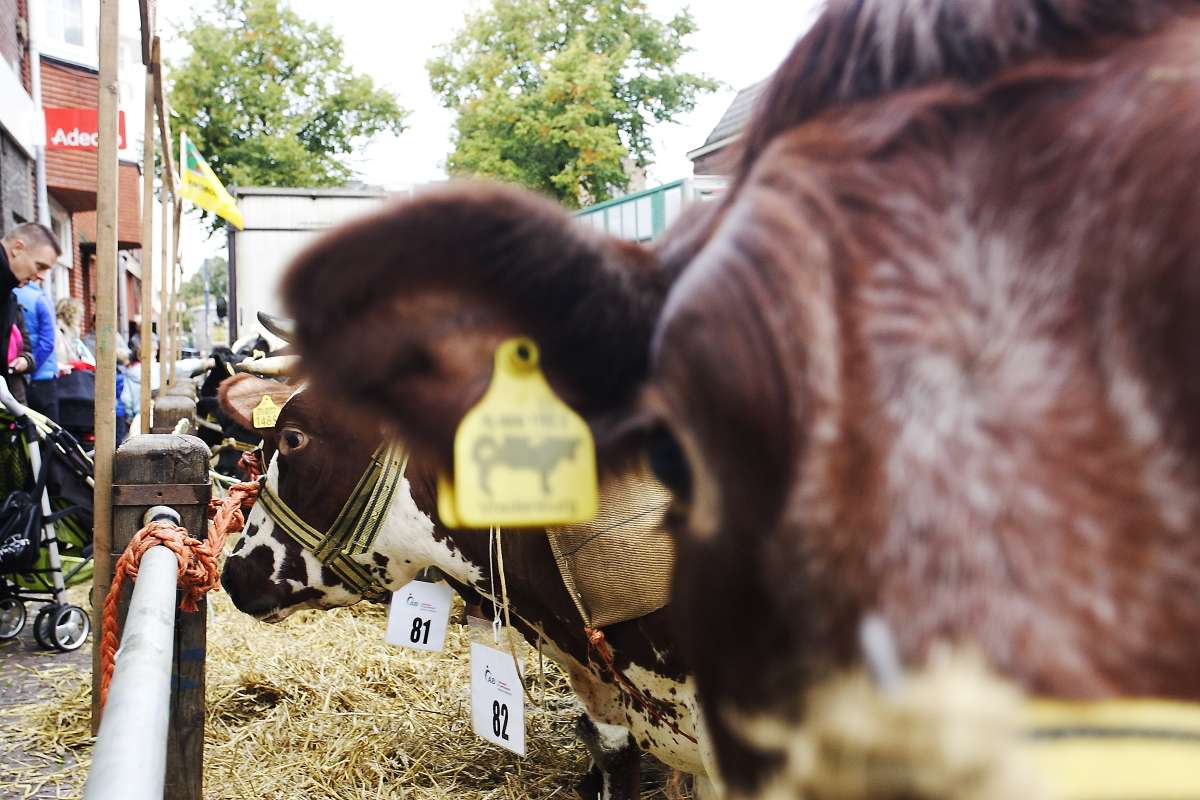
418, 616
497, 699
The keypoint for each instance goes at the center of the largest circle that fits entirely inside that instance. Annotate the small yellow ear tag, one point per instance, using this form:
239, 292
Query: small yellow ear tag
265, 413
521, 456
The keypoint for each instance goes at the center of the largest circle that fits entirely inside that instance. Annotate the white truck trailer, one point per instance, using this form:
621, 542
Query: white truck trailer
280, 223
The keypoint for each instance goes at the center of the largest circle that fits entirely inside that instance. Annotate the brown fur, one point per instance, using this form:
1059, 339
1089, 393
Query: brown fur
933, 356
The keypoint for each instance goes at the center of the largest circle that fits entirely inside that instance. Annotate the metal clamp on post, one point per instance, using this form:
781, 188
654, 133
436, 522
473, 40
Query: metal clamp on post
178, 494
157, 513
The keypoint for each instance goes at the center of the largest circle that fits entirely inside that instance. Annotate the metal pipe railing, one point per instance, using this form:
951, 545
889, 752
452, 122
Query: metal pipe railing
130, 757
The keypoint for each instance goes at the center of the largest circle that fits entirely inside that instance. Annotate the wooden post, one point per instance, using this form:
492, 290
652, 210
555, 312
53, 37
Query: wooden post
106, 316
169, 409
163, 299
170, 470
175, 226
147, 239
180, 389
164, 132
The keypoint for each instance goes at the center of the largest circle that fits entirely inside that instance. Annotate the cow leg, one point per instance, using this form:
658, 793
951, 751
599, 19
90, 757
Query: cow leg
616, 761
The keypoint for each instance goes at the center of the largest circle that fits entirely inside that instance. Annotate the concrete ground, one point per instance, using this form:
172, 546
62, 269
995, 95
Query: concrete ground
29, 673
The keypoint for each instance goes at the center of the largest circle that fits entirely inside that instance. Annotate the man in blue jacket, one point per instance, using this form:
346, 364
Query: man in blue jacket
39, 319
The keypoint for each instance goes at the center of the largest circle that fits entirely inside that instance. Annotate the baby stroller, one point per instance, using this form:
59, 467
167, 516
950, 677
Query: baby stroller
45, 526
77, 402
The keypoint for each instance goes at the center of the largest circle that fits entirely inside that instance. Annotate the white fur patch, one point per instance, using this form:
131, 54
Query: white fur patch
407, 541
607, 706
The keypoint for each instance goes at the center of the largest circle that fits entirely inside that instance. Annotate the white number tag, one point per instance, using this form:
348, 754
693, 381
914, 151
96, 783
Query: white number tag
418, 617
497, 702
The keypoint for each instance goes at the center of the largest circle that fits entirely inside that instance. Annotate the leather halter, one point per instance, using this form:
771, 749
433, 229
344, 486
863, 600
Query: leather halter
357, 525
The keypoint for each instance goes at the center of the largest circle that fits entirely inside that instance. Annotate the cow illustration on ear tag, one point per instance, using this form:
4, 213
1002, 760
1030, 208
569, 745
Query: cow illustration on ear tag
265, 413
521, 456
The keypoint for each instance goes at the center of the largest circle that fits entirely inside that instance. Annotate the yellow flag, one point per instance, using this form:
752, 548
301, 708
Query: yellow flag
201, 185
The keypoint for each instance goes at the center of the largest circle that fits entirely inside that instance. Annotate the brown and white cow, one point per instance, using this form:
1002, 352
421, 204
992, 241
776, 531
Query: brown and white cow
934, 356
316, 454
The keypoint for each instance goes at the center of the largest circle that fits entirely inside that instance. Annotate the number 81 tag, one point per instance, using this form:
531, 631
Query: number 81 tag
418, 616
497, 700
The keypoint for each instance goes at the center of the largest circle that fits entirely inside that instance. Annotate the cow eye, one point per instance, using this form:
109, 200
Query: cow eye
292, 440
669, 464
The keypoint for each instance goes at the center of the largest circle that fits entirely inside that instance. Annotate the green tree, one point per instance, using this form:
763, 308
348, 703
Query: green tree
191, 293
192, 290
558, 95
269, 99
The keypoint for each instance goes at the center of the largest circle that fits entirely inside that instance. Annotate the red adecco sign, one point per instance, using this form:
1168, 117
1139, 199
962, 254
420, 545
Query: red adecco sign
75, 128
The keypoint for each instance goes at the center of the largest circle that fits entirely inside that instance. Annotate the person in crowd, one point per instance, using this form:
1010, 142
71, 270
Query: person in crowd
39, 320
125, 403
20, 359
69, 347
24, 251
89, 339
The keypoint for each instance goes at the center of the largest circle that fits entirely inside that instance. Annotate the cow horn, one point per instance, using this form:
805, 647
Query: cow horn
204, 367
270, 367
283, 328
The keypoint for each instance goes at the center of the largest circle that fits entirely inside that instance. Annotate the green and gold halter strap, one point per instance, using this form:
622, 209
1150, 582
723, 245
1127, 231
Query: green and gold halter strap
357, 524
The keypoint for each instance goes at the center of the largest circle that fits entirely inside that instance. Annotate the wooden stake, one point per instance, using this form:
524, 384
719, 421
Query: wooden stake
164, 130
164, 285
168, 174
147, 302
106, 321
175, 226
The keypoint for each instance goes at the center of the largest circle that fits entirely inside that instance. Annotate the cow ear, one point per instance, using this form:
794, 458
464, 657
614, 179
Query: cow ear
240, 394
399, 314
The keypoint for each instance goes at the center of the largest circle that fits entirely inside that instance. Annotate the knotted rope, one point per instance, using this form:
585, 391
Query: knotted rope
654, 707
249, 463
198, 568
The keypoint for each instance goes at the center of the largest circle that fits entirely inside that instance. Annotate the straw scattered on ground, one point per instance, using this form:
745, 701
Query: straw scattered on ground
320, 706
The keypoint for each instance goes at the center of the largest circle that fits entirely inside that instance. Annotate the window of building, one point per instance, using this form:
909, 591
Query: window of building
60, 223
64, 21
60, 276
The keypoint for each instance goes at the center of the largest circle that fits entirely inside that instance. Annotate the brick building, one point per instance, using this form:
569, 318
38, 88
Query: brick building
71, 185
67, 38
18, 118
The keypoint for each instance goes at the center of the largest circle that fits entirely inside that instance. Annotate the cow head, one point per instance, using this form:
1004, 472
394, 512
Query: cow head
315, 455
906, 366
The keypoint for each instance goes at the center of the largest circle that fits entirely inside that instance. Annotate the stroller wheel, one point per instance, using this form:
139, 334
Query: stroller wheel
41, 626
67, 627
12, 617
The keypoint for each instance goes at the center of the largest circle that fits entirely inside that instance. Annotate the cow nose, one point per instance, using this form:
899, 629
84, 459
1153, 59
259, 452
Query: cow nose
248, 587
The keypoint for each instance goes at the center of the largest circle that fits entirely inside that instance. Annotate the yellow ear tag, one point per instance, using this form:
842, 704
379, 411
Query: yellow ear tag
265, 413
521, 456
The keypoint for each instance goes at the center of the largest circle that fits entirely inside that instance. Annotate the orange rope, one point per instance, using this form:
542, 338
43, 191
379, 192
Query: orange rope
250, 465
598, 643
198, 570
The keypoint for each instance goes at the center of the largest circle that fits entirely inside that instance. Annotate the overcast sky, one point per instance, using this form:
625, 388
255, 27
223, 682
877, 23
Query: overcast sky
737, 42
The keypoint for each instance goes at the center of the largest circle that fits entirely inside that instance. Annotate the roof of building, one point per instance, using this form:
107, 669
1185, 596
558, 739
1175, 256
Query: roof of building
730, 126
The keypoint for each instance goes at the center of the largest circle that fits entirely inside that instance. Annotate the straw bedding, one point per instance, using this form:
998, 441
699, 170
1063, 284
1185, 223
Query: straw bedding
320, 706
